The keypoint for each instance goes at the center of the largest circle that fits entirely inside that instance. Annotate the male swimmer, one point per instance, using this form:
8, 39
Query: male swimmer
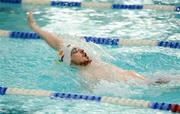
91, 70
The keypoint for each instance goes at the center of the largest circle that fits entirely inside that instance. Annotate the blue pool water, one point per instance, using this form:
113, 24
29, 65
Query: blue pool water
32, 64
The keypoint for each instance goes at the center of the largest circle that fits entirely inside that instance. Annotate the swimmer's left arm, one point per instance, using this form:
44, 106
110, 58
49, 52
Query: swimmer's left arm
128, 73
53, 40
135, 75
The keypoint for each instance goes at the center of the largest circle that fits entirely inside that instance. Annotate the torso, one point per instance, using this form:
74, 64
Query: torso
103, 71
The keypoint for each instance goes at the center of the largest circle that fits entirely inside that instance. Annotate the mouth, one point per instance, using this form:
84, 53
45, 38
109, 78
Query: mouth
85, 63
88, 61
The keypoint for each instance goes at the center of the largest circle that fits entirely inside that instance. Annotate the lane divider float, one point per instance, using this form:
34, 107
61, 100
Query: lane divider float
114, 41
101, 99
99, 5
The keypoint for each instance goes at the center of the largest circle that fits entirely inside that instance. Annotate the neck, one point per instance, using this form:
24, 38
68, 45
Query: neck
82, 67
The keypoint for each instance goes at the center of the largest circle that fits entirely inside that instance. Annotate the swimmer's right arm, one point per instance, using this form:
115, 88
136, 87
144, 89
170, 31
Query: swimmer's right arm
53, 40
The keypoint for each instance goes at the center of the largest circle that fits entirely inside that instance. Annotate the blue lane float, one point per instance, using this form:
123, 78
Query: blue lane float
130, 7
103, 41
3, 90
24, 35
169, 44
65, 4
11, 1
160, 106
76, 96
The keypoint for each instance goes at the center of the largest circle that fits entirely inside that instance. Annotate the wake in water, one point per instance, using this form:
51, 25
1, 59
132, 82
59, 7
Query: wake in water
132, 88
164, 80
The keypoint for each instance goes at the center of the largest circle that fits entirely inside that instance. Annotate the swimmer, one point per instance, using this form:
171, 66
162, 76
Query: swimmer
89, 69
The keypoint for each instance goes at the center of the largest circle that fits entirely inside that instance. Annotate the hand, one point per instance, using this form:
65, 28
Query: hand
30, 19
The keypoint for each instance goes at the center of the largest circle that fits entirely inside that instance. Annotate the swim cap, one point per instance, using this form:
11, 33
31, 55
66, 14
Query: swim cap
65, 54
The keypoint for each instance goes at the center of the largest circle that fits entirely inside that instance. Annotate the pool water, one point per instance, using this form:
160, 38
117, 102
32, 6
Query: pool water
32, 64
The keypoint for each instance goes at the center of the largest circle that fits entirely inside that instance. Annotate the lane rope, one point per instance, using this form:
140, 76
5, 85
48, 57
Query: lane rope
113, 41
100, 5
102, 99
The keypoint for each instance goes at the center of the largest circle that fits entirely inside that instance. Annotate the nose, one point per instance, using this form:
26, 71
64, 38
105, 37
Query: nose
82, 51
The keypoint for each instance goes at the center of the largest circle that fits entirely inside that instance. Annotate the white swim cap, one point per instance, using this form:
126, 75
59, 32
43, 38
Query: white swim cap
66, 56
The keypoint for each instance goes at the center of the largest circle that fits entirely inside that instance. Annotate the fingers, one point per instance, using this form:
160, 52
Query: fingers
30, 17
29, 14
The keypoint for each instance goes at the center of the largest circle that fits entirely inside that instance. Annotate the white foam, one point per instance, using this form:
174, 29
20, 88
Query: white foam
119, 89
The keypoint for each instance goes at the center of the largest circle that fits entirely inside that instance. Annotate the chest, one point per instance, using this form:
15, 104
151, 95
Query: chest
101, 71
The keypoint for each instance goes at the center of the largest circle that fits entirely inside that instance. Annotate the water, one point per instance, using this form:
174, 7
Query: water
32, 64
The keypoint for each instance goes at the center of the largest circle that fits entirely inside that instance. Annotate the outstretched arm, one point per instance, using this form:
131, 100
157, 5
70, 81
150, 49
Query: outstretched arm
50, 38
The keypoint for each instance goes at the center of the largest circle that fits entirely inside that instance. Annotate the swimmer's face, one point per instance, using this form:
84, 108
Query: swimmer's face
79, 57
